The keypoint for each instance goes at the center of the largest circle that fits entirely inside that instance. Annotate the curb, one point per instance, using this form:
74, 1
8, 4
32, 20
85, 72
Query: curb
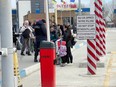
99, 64
27, 71
80, 45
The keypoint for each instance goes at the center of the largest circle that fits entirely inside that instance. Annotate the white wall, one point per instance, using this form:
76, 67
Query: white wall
23, 7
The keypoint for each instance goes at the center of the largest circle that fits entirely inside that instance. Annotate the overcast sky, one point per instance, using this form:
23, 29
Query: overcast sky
13, 2
86, 2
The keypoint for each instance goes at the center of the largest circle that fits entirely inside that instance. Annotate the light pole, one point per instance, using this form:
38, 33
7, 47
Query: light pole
6, 42
79, 7
47, 21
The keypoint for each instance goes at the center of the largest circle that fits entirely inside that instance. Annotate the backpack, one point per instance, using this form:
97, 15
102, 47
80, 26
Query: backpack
26, 33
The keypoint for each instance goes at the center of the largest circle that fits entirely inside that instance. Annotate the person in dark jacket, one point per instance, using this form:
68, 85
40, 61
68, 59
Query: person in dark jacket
67, 37
53, 34
62, 29
40, 35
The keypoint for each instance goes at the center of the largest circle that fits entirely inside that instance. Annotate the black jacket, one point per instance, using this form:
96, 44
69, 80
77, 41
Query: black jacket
67, 37
40, 30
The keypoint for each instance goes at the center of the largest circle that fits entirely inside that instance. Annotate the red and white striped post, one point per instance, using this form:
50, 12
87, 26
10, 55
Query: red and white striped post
91, 57
98, 45
104, 36
91, 49
103, 33
101, 28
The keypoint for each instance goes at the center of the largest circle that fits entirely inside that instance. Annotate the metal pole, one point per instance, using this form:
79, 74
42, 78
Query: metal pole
56, 21
61, 18
0, 45
79, 7
113, 9
47, 21
6, 42
70, 16
17, 15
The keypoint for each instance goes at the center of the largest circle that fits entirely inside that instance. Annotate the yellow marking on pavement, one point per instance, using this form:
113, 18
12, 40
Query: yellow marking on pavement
113, 73
113, 66
113, 52
106, 29
108, 72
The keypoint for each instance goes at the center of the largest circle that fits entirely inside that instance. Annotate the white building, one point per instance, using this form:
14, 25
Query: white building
23, 7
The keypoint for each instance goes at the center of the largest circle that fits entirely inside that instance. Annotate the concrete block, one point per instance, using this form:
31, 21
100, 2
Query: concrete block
84, 64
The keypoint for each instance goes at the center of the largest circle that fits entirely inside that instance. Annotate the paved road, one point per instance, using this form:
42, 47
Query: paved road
73, 76
26, 62
110, 77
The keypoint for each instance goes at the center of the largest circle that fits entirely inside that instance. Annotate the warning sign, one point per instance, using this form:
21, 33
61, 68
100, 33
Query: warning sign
86, 27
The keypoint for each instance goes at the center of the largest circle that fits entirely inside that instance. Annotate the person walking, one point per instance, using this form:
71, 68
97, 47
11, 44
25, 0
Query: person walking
26, 34
40, 35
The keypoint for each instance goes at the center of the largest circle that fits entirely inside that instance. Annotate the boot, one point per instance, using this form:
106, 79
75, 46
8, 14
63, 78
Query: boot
28, 53
22, 54
35, 59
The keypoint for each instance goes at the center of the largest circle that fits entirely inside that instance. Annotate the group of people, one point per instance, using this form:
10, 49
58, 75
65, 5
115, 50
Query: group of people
32, 34
36, 32
64, 33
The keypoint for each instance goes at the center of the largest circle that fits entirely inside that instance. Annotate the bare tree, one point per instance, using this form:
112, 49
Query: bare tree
109, 12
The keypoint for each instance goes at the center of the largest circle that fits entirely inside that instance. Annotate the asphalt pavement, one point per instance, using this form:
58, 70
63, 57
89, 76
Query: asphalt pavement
27, 64
74, 76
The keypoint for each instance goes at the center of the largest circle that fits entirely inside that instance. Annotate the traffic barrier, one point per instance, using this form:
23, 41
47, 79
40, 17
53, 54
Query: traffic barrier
104, 35
16, 69
47, 67
91, 57
91, 51
101, 28
98, 45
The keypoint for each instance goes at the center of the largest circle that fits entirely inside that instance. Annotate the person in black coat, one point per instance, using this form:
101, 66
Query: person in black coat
67, 36
40, 35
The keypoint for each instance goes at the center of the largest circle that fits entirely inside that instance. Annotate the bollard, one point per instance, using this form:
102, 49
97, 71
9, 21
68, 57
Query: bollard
47, 67
16, 69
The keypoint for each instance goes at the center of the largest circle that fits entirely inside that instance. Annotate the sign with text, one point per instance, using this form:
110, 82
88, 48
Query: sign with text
86, 28
66, 6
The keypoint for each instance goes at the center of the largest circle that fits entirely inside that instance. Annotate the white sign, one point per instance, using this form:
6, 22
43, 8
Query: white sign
86, 27
51, 8
86, 19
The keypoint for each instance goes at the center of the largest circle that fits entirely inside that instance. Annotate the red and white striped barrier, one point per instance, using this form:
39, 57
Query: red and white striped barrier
91, 57
104, 36
101, 28
98, 45
91, 50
